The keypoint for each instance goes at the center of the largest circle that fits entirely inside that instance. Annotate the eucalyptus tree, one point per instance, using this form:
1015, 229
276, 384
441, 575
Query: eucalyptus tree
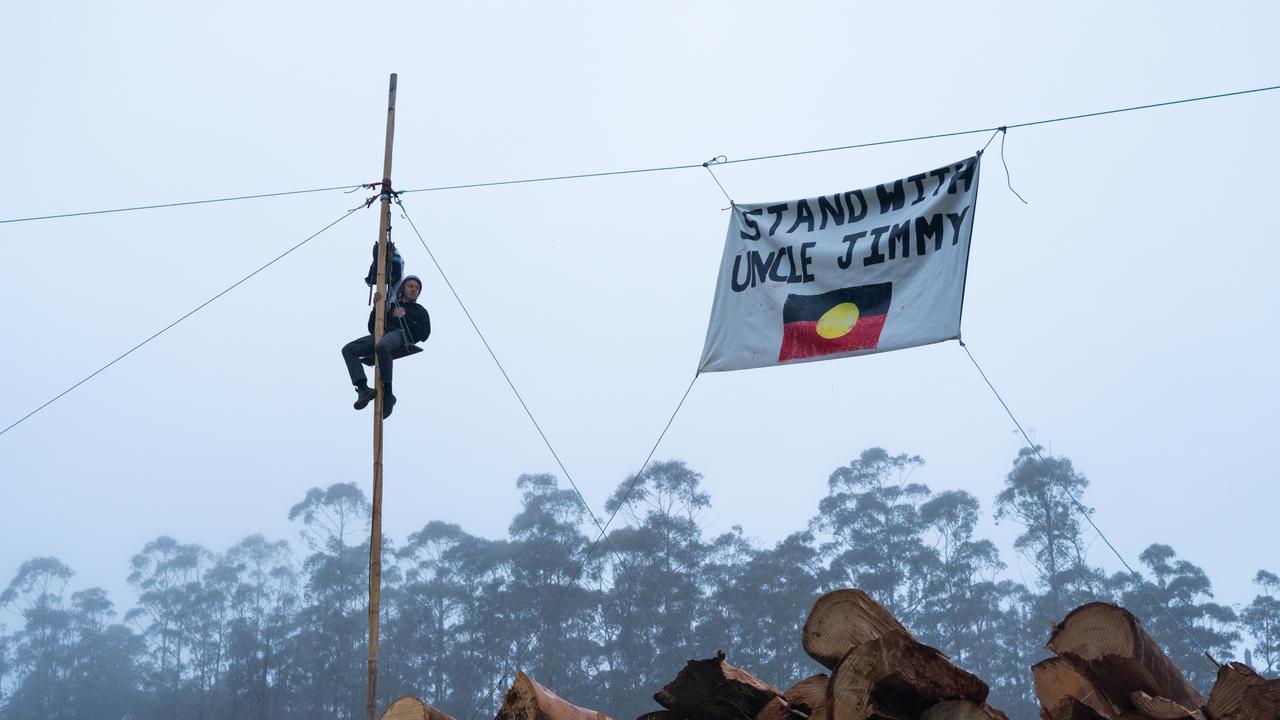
423, 613
106, 670
550, 607
449, 638
1261, 618
330, 642
167, 576
1042, 494
757, 601
653, 566
43, 648
871, 530
259, 582
962, 610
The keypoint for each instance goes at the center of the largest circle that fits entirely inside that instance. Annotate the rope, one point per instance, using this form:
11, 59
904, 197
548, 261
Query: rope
166, 328
1008, 180
895, 141
631, 486
545, 440
182, 203
716, 161
1084, 512
667, 168
591, 548
603, 529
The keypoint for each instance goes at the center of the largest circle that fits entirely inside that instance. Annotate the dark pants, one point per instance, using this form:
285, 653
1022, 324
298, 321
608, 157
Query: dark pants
392, 342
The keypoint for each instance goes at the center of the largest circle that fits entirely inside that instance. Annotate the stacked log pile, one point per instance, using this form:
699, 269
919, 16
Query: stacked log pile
878, 672
1105, 667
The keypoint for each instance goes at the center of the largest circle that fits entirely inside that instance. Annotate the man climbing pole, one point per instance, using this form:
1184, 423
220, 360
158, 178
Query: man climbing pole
408, 324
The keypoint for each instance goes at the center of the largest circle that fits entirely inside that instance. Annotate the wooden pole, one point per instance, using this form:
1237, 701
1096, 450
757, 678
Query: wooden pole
379, 323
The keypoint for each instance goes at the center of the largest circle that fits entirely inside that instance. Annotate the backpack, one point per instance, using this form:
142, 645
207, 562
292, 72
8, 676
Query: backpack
395, 268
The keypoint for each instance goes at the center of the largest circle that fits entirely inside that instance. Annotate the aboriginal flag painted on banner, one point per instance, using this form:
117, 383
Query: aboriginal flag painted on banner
840, 321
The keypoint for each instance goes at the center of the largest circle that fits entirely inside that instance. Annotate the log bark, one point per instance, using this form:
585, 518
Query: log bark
841, 620
894, 677
1242, 694
1158, 708
715, 690
527, 700
962, 710
1056, 679
1109, 644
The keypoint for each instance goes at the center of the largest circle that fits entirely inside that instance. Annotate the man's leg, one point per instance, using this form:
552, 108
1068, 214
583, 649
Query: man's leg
390, 343
351, 354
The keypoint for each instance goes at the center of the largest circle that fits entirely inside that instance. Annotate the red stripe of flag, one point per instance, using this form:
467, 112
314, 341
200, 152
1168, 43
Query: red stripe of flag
801, 339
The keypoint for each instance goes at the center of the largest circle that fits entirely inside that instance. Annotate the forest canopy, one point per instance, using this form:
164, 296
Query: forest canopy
272, 629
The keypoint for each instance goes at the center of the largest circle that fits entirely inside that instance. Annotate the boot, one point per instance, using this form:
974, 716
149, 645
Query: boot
364, 395
388, 400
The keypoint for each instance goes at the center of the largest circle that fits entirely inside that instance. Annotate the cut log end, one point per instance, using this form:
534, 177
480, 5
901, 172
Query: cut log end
408, 707
527, 700
1109, 645
809, 696
843, 619
1242, 694
897, 677
1057, 680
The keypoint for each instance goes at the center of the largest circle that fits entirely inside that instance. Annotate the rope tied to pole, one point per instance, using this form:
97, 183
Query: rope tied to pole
384, 192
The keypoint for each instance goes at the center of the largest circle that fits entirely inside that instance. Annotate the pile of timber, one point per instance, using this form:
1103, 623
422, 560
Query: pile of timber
879, 671
526, 700
1106, 667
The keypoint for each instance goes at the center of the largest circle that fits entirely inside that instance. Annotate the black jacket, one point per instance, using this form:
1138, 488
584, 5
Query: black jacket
416, 321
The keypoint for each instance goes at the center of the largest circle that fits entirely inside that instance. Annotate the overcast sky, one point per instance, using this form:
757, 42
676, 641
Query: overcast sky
1125, 313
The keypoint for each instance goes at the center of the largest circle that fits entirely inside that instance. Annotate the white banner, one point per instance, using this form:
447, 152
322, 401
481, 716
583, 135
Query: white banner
864, 271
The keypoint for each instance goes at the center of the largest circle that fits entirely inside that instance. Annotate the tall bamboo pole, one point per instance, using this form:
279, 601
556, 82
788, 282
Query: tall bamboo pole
380, 311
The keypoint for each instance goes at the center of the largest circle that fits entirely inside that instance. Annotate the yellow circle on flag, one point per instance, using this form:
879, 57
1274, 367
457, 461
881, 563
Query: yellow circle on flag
838, 321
